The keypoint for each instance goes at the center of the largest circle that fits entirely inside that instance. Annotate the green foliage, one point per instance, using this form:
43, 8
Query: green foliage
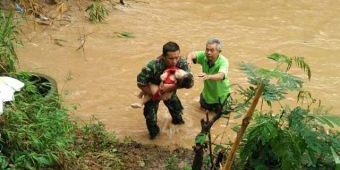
276, 82
8, 42
94, 137
94, 142
336, 159
97, 12
128, 140
281, 58
293, 139
36, 133
290, 137
124, 34
171, 162
201, 138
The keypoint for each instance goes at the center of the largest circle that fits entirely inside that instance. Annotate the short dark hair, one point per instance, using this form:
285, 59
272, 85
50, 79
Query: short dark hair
186, 82
170, 47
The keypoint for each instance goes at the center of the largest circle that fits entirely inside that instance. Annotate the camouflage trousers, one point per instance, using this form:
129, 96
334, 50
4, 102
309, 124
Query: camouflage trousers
174, 106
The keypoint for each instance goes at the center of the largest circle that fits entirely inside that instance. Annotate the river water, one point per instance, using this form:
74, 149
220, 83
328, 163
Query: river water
101, 79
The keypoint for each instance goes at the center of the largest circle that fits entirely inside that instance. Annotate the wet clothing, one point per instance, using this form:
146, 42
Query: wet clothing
226, 105
151, 73
170, 72
214, 92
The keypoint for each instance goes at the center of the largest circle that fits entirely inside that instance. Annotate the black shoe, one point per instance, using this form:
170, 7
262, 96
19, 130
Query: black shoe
154, 134
177, 121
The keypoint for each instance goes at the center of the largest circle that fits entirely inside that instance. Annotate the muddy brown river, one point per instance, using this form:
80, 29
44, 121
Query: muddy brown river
101, 79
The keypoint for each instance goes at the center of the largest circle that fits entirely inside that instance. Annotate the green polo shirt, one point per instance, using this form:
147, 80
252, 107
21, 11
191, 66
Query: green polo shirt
214, 90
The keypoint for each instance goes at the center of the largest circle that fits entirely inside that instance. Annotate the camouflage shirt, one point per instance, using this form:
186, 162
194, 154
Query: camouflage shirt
151, 73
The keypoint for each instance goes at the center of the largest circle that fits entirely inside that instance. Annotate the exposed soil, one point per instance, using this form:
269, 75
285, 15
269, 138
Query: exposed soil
135, 156
139, 156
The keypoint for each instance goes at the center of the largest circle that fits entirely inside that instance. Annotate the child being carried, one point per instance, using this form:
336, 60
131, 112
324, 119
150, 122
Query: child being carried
181, 78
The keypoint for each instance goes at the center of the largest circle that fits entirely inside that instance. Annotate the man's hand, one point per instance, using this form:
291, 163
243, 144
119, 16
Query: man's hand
191, 56
204, 76
146, 90
214, 77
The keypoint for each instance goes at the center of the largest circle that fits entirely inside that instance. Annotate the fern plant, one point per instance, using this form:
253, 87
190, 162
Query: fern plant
298, 137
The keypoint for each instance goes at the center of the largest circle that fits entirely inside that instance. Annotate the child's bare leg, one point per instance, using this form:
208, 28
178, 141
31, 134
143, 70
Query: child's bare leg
145, 99
141, 96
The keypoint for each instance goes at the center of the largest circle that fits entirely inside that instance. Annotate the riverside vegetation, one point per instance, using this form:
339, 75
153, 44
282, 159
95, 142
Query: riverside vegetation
36, 132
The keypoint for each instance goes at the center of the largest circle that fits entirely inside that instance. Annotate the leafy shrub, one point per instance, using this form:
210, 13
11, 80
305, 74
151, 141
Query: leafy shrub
280, 137
37, 133
288, 137
93, 136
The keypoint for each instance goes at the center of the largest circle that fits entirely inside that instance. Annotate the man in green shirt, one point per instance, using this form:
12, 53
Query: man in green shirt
151, 73
216, 89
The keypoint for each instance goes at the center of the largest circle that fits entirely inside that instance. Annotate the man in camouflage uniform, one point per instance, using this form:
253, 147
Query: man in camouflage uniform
151, 74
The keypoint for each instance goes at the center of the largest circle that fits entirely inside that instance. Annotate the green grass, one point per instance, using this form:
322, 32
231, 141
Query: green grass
124, 34
39, 134
8, 42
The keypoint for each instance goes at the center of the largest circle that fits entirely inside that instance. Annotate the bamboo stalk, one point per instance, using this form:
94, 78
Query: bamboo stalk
244, 126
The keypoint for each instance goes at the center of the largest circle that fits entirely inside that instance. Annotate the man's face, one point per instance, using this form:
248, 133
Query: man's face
172, 58
211, 51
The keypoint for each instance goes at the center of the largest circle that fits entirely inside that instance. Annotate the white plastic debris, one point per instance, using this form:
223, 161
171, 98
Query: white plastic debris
8, 86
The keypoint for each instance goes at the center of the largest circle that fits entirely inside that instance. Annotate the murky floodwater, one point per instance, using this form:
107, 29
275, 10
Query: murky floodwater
103, 76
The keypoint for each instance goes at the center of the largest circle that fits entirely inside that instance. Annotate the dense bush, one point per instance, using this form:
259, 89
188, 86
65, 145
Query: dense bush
286, 136
281, 135
36, 132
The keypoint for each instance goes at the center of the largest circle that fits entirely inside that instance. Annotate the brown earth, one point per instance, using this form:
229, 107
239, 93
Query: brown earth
141, 156
135, 156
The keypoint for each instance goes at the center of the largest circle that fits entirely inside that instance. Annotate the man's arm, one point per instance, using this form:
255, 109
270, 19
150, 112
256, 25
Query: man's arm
166, 88
220, 75
191, 58
214, 77
146, 90
143, 78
